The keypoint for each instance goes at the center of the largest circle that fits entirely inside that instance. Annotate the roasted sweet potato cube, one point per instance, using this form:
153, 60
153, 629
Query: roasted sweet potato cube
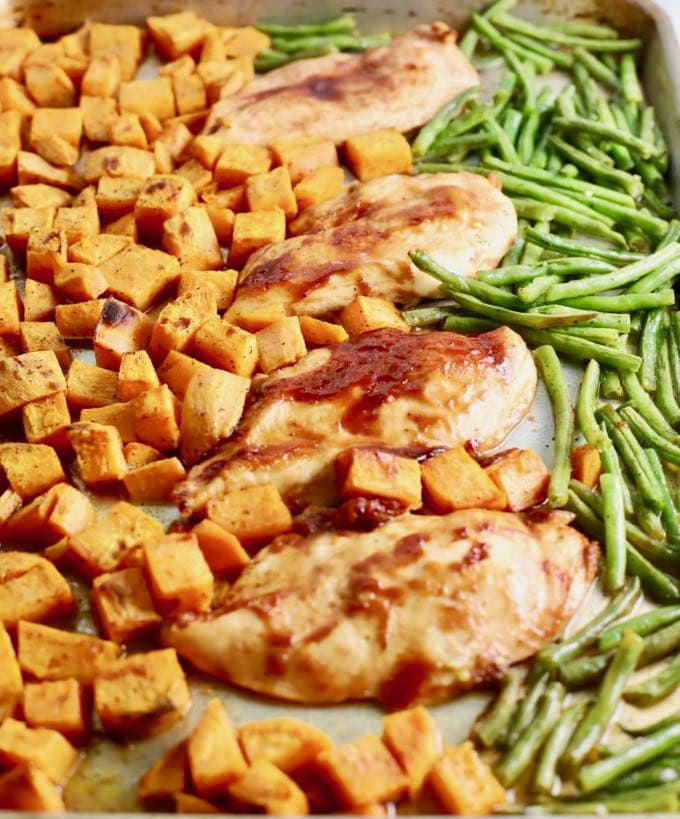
188, 803
237, 162
120, 329
118, 160
175, 139
99, 114
11, 685
522, 476
40, 301
71, 511
253, 231
27, 377
167, 776
180, 319
58, 705
161, 271
221, 550
90, 386
153, 96
378, 473
56, 150
39, 195
213, 406
322, 184
378, 153
454, 480
97, 249
118, 415
44, 335
267, 787
126, 42
26, 787
127, 130
317, 333
31, 521
9, 346
49, 86
4, 269
154, 482
189, 93
179, 577
142, 694
155, 418
244, 41
18, 223
262, 317
46, 252
222, 220
136, 375
223, 345
46, 419
11, 60
232, 198
215, 758
52, 654
42, 747
14, 97
586, 465
176, 34
66, 123
177, 371
160, 198
99, 452
287, 743
78, 223
102, 546
224, 77
10, 143
223, 283
117, 196
196, 175
32, 168
102, 77
304, 155
190, 236
464, 783
124, 605
77, 321
10, 309
137, 454
367, 313
267, 191
253, 514
280, 344
80, 282
413, 738
363, 771
30, 469
10, 502
207, 149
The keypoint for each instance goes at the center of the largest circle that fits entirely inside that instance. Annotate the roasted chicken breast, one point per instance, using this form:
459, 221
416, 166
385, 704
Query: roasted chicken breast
418, 609
387, 388
400, 85
358, 243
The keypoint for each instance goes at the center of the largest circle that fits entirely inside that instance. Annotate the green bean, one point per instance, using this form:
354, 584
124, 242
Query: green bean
656, 688
664, 770
578, 348
431, 130
556, 654
611, 463
612, 321
533, 211
661, 643
658, 585
503, 93
268, 59
614, 531
584, 671
563, 413
656, 279
512, 256
646, 407
648, 520
600, 335
554, 35
597, 68
447, 139
509, 47
526, 142
338, 25
555, 745
596, 718
585, 407
532, 291
668, 513
562, 59
558, 244
580, 28
650, 342
645, 801
470, 39
649, 437
609, 132
518, 274
640, 220
657, 205
343, 42
654, 726
490, 727
610, 383
468, 324
505, 144
601, 773
428, 314
621, 303
524, 712
470, 142
602, 172
642, 624
511, 122
621, 155
671, 235
520, 754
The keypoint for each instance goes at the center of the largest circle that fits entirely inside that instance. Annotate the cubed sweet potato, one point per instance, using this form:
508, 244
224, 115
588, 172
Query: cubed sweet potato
118, 415
137, 454
261, 317
413, 738
39, 195
136, 375
367, 313
586, 465
223, 283
155, 418
253, 231
124, 605
104, 545
191, 238
46, 749
373, 472
11, 684
237, 162
304, 155
10, 309
32, 168
126, 42
317, 333
27, 377
322, 184
280, 344
196, 175
232, 198
18, 224
58, 705
464, 783
155, 481
522, 476
99, 114
99, 452
179, 577
77, 321
46, 419
154, 96
213, 405
267, 191
142, 694
222, 551
167, 776
49, 86
96, 249
223, 345
118, 196
118, 160
80, 282
26, 787
37, 336
266, 787
40, 301
190, 94
62, 510
127, 130
378, 153
454, 480
363, 771
10, 502
161, 197
176, 34
287, 743
179, 321
161, 271
215, 758
253, 514
30, 469
188, 803
90, 386
32, 589
120, 329
46, 252
177, 371
14, 97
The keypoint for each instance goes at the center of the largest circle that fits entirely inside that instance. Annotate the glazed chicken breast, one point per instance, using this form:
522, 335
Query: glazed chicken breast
400, 85
385, 388
418, 609
358, 243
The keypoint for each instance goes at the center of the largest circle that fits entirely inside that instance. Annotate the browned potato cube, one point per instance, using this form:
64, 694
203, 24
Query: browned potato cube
10, 502
375, 472
102, 77
266, 787
126, 42
378, 154
78, 223
215, 759
13, 97
30, 469
254, 514
522, 476
127, 130
223, 282
137, 454
213, 406
362, 772
46, 252
40, 301
287, 743
232, 198
179, 577
44, 335
175, 139
413, 738
280, 344
317, 333
150, 96
52, 654
586, 465
464, 783
237, 162
71, 511
11, 685
454, 480
160, 198
58, 705
135, 375
368, 313
124, 605
176, 34
120, 329
49, 86
39, 195
42, 747
122, 274
99, 114
189, 93
155, 418
118, 196
221, 550
46, 419
80, 282
222, 220
262, 317
244, 41
190, 237
207, 149
253, 231
90, 386
196, 175
119, 416
26, 787
18, 223
167, 776
154, 482
142, 694
10, 309
119, 161
77, 321
97, 249
223, 345
177, 371
66, 123
27, 377
32, 168
268, 191
304, 155
9, 346
99, 452
324, 183
104, 545
56, 150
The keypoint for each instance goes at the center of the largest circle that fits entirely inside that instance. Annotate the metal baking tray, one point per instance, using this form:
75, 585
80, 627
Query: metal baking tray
107, 780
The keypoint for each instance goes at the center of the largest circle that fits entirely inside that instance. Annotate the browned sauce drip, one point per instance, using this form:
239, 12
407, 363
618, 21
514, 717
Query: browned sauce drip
405, 685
